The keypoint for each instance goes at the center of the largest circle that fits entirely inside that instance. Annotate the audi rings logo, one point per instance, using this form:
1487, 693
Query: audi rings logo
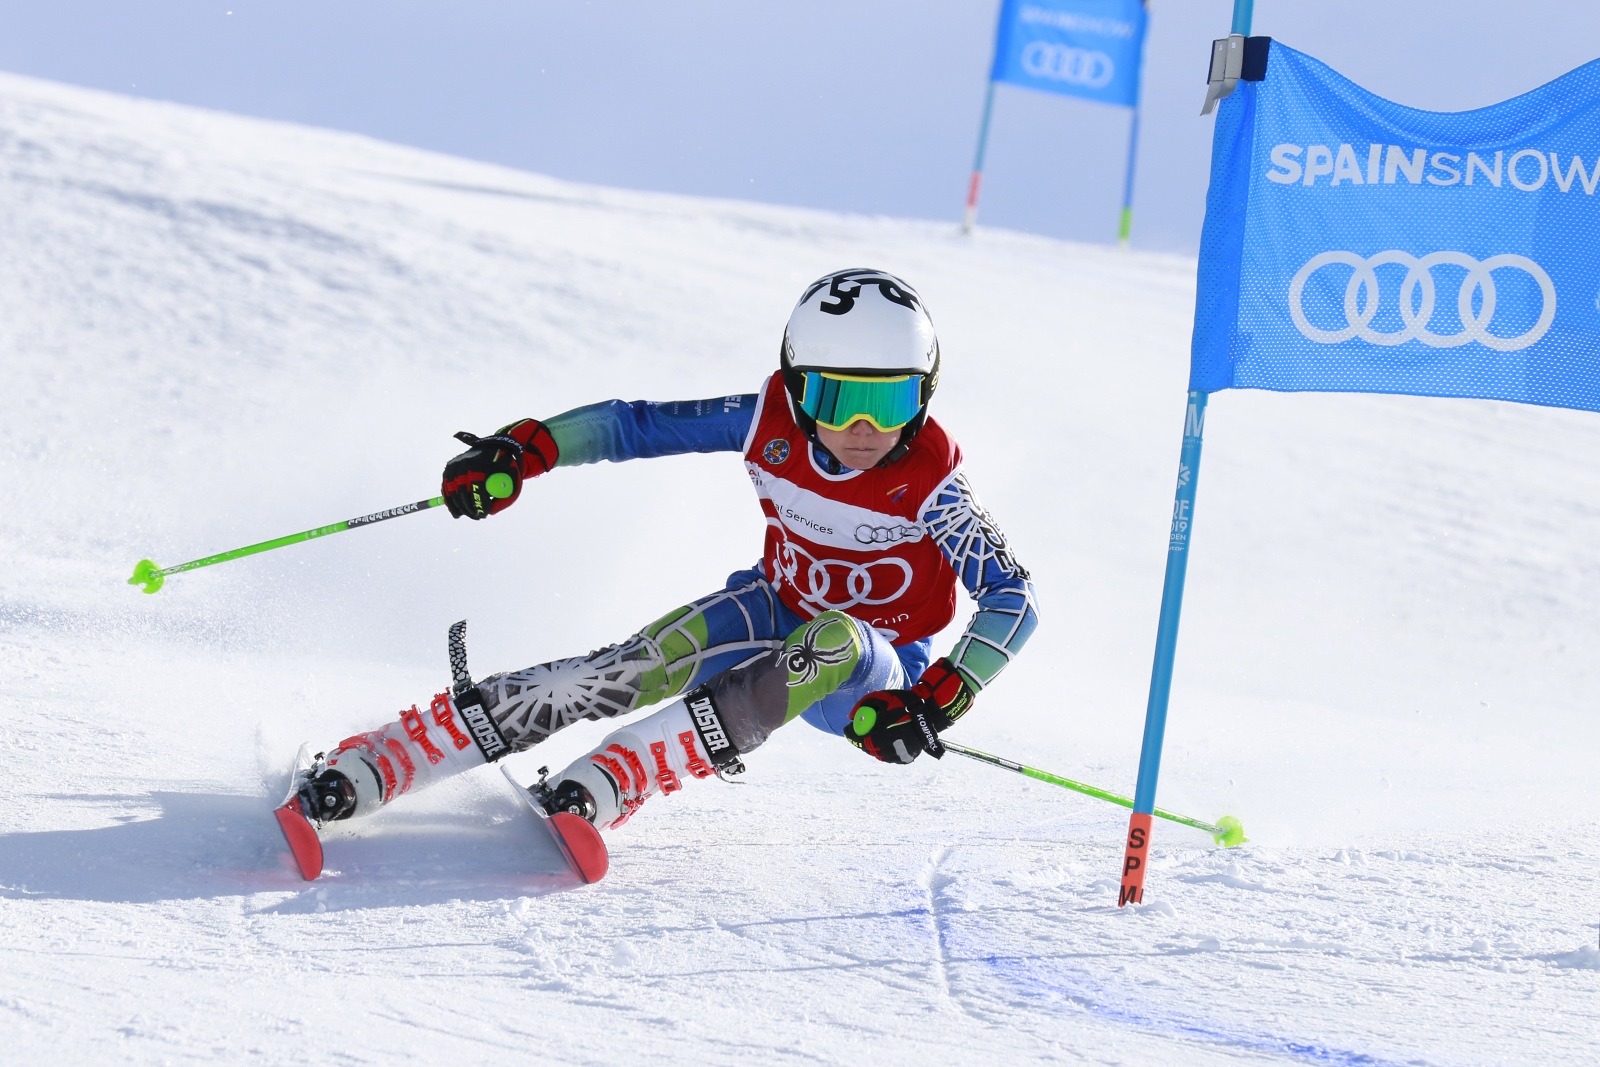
1362, 297
883, 535
839, 585
1075, 66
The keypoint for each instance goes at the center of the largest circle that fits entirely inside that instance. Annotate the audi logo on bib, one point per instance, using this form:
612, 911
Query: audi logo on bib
1416, 296
840, 584
883, 535
1075, 66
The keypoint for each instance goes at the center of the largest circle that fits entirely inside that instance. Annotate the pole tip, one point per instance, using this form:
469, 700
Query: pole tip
147, 574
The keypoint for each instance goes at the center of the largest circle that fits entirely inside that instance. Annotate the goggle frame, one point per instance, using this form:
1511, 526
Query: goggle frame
879, 399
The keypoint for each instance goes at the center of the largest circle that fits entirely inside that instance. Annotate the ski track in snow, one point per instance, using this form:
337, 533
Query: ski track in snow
218, 330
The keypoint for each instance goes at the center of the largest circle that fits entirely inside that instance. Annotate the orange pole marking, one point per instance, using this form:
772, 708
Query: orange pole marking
1136, 860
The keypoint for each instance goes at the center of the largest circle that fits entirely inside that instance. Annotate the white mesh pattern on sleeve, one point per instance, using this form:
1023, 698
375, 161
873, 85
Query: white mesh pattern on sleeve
982, 558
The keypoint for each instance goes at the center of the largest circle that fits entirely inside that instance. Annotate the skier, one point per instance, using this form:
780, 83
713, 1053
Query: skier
870, 524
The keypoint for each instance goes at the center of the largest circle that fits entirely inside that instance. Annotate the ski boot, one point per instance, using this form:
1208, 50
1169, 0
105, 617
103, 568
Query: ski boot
653, 755
366, 771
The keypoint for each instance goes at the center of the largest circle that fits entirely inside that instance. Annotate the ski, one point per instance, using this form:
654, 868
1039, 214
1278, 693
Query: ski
298, 831
580, 843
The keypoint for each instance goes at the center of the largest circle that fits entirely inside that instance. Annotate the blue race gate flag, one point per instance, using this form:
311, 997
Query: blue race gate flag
1354, 245
1087, 48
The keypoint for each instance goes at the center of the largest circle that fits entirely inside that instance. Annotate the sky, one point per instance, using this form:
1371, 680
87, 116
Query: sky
870, 108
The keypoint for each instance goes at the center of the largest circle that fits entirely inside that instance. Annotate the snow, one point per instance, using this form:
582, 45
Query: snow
217, 330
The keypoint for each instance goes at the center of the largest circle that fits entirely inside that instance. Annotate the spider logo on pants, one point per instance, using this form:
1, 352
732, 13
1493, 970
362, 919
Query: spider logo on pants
806, 659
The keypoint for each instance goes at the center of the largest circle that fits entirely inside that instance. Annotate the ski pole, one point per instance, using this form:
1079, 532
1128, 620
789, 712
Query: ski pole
147, 574
1227, 832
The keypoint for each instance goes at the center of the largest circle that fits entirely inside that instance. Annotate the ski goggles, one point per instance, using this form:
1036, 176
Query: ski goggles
835, 401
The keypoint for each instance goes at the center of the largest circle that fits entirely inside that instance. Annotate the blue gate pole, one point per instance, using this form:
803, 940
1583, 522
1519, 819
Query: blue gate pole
1135, 860
1243, 14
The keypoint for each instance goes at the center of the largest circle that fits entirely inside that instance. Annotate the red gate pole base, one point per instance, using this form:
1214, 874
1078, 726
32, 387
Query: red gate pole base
1136, 860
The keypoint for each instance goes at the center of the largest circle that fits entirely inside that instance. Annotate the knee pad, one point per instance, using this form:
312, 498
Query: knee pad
875, 666
820, 657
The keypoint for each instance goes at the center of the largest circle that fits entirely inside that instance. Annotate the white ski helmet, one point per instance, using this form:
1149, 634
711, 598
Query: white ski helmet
860, 344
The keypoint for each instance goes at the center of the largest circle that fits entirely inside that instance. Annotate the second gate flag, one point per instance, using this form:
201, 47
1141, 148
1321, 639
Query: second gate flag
1087, 48
1355, 245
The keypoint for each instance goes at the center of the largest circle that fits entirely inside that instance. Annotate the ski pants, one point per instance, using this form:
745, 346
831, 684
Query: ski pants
764, 666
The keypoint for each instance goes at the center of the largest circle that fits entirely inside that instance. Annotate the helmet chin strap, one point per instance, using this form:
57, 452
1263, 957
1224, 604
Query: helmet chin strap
908, 433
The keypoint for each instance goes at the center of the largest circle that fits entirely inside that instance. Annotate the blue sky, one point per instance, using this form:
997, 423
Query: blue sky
869, 107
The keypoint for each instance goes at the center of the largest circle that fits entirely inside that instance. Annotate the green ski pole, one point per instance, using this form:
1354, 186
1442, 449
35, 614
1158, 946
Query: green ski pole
1227, 832
151, 577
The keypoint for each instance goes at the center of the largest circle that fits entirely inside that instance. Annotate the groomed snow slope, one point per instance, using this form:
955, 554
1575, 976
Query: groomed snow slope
216, 330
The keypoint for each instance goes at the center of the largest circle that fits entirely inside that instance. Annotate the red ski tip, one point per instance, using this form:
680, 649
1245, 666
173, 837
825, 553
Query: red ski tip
302, 839
581, 844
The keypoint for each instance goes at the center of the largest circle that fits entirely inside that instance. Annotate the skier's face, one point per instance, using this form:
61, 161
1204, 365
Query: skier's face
861, 445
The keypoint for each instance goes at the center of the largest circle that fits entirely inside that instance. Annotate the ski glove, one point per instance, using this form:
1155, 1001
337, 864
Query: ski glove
487, 478
898, 725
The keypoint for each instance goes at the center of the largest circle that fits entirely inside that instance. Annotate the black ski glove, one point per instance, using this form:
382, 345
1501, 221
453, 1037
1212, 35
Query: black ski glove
487, 478
898, 725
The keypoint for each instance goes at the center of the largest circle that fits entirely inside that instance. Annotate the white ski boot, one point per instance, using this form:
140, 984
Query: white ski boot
652, 755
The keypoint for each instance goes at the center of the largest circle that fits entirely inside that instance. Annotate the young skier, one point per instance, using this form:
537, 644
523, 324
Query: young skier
870, 525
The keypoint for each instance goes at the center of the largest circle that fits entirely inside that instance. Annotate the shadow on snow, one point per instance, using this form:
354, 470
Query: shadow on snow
204, 845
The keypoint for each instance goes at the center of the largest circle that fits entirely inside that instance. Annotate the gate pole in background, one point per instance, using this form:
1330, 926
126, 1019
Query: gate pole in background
1125, 220
971, 216
977, 164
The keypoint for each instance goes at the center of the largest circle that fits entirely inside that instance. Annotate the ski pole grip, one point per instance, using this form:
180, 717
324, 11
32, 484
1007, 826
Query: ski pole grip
500, 485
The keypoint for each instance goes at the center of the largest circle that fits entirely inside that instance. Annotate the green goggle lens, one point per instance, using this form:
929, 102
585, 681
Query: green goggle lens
836, 401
